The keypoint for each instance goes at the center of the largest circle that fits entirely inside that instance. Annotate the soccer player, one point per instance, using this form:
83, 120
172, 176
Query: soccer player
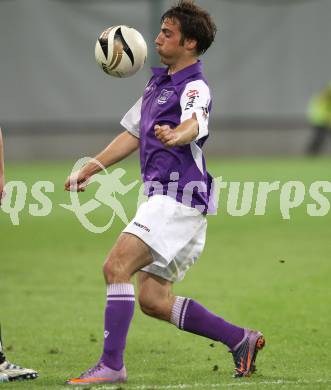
319, 115
169, 124
9, 371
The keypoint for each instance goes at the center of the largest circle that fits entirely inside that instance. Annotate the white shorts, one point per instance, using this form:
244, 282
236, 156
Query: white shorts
175, 233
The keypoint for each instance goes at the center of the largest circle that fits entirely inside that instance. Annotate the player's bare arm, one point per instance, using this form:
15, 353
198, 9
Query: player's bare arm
2, 167
121, 147
183, 134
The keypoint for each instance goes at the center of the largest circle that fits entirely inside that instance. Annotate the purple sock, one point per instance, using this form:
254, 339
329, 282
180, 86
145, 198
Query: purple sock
190, 316
118, 315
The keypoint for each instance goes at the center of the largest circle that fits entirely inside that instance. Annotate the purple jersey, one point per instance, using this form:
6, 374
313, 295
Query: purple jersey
180, 171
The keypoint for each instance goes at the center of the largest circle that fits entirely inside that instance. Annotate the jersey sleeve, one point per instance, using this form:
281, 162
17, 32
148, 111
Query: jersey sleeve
131, 120
195, 99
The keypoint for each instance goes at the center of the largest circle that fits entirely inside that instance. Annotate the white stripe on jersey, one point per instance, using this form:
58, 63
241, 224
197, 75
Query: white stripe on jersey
131, 120
197, 155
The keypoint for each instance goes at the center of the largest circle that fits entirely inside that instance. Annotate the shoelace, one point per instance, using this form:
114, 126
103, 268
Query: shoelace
11, 366
92, 370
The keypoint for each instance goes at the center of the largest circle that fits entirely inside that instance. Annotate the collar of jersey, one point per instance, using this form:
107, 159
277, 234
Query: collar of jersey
180, 76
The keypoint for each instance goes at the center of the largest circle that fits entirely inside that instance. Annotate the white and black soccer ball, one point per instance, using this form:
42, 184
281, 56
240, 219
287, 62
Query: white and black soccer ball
121, 51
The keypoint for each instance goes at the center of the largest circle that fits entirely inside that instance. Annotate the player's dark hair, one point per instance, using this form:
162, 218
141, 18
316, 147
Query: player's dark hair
195, 23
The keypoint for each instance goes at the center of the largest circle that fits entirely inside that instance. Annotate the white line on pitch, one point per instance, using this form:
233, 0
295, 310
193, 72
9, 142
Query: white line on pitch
211, 385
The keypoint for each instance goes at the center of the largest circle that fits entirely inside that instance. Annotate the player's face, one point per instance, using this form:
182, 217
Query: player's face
168, 42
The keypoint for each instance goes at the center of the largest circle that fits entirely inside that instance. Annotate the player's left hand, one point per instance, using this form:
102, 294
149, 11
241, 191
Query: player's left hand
168, 136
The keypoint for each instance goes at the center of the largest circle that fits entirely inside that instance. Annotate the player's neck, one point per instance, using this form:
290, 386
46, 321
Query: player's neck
181, 64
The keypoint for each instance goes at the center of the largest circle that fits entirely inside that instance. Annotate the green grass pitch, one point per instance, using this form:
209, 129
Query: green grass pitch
258, 271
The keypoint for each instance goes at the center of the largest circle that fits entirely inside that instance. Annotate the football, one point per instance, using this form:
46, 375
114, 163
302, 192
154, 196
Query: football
121, 51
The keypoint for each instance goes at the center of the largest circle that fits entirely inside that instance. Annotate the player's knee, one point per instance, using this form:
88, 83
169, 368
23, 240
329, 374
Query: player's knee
114, 270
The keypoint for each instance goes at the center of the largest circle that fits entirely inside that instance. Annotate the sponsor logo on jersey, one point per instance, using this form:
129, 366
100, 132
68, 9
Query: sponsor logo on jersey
149, 88
164, 96
192, 95
141, 226
205, 113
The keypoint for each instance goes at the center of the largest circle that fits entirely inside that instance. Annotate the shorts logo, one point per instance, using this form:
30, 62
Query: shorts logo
141, 226
192, 95
164, 96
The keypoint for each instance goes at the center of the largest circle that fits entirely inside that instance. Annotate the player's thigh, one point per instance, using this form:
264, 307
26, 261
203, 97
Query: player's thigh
155, 294
128, 255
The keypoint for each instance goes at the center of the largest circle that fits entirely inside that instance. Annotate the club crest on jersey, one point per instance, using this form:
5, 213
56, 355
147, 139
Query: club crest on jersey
164, 96
192, 95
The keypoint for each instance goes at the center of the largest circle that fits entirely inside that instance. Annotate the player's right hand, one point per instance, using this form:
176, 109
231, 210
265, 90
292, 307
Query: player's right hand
78, 181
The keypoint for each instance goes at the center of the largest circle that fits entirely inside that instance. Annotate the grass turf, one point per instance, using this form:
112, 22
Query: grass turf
258, 271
